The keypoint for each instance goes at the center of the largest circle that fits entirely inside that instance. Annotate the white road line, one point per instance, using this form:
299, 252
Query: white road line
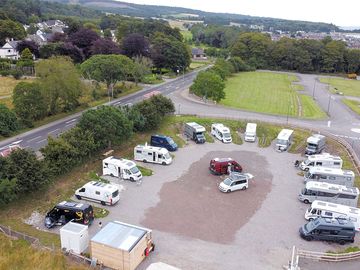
71, 124
72, 120
34, 139
177, 87
41, 141
53, 131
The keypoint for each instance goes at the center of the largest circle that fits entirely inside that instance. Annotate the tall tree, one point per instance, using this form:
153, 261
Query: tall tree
135, 45
209, 85
84, 39
8, 121
31, 45
11, 29
104, 46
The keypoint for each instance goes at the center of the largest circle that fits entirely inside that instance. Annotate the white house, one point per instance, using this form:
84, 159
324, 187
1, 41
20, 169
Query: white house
9, 50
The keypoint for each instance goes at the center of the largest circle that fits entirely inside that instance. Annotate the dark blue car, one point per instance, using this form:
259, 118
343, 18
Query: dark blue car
164, 142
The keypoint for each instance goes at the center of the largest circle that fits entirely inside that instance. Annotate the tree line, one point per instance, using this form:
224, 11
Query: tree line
22, 173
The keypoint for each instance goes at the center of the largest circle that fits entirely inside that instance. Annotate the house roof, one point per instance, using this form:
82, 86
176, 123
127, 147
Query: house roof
197, 51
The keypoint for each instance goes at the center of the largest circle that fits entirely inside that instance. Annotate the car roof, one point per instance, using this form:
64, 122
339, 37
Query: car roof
73, 206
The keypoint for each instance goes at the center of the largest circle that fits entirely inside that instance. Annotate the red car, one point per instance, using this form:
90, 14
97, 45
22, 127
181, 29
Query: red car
221, 166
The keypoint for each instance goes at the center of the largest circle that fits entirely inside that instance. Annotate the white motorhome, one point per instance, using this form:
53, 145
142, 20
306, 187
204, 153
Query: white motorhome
284, 139
250, 132
221, 132
330, 175
329, 193
152, 154
322, 160
315, 144
333, 211
98, 192
122, 168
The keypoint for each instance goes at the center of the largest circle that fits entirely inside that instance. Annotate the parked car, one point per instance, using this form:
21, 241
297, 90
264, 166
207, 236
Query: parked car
221, 166
98, 192
65, 211
326, 229
164, 142
235, 181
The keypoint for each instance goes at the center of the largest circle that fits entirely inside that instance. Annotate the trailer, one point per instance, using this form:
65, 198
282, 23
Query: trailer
195, 132
152, 154
122, 168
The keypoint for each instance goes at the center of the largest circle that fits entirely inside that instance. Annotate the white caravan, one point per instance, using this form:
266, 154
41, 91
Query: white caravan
122, 168
99, 192
333, 211
250, 132
221, 132
152, 154
322, 160
315, 144
330, 175
284, 139
329, 193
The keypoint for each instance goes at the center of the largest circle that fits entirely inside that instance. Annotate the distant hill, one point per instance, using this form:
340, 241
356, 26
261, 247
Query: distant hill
137, 10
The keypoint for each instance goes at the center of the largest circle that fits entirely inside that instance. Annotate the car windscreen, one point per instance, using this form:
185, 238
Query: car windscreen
227, 135
115, 193
171, 141
134, 170
282, 142
312, 145
227, 181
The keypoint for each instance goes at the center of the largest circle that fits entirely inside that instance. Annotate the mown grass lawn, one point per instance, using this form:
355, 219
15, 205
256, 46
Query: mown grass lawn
310, 109
354, 105
346, 86
263, 92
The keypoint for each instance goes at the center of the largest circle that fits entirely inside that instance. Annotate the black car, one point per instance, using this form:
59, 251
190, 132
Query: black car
326, 229
65, 211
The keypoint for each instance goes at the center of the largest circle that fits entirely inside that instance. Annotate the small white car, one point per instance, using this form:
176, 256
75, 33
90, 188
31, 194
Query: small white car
236, 181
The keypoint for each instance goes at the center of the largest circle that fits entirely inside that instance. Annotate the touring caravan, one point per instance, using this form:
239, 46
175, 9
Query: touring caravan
315, 144
221, 132
122, 168
284, 139
152, 154
250, 132
330, 175
322, 160
329, 193
98, 192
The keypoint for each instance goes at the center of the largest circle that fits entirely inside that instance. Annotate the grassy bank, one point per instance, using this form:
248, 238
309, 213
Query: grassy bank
354, 105
346, 86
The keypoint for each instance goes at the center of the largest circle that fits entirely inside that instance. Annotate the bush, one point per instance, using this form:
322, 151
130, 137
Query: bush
8, 121
5, 73
17, 74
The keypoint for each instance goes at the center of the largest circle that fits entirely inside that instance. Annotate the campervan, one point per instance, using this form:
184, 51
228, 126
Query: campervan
122, 168
321, 160
315, 144
235, 181
195, 132
329, 193
250, 132
219, 166
333, 210
98, 192
284, 139
163, 141
152, 154
330, 175
221, 132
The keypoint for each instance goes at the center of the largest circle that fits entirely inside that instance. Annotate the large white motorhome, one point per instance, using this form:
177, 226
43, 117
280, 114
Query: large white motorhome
152, 154
330, 175
250, 132
333, 211
284, 139
98, 192
315, 144
221, 132
329, 193
122, 168
321, 160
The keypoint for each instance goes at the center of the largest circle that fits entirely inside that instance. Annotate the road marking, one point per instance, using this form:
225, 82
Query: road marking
53, 131
72, 120
345, 136
68, 125
41, 141
34, 139
177, 87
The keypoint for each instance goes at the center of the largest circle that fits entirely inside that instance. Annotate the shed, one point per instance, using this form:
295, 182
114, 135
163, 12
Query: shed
121, 246
74, 237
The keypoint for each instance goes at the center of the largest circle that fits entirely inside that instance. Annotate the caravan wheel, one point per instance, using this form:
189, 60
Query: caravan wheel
144, 160
103, 203
132, 179
163, 163
78, 197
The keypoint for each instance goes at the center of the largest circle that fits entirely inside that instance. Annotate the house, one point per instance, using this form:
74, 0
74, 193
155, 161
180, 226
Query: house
198, 54
9, 50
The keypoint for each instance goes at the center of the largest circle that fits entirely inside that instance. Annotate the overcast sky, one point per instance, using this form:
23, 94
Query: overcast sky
341, 13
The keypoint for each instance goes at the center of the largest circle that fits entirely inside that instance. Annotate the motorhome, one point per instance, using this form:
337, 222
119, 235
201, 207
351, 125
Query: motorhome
284, 139
334, 211
98, 192
250, 132
219, 166
330, 175
321, 160
195, 132
315, 144
122, 168
221, 132
163, 141
329, 193
152, 154
235, 181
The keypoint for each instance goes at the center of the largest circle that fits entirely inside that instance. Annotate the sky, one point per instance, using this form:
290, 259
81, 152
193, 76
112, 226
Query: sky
340, 13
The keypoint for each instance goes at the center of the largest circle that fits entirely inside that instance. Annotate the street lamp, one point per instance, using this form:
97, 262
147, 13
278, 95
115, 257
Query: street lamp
313, 94
328, 107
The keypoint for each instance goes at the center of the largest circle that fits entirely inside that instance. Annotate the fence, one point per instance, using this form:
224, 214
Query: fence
8, 231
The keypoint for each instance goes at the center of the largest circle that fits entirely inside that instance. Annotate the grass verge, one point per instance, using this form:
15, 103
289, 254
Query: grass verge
310, 109
145, 171
346, 86
354, 105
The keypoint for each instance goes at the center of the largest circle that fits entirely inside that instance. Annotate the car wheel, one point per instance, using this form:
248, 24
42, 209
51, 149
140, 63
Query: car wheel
306, 201
111, 175
311, 219
132, 179
144, 160
163, 163
244, 188
228, 191
341, 242
103, 203
306, 169
308, 238
78, 197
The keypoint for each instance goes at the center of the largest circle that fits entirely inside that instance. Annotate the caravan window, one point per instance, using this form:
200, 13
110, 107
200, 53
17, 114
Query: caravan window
319, 163
160, 156
323, 177
97, 192
329, 214
332, 177
336, 163
347, 196
149, 154
138, 151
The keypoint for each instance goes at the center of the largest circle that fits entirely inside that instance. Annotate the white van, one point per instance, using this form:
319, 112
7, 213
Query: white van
330, 175
98, 192
122, 168
235, 181
152, 154
221, 132
250, 132
284, 139
333, 211
322, 160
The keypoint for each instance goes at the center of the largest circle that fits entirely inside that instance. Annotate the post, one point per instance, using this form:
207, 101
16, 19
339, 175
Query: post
179, 109
313, 94
328, 108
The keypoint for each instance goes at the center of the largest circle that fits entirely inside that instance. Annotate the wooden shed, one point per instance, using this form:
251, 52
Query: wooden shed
121, 246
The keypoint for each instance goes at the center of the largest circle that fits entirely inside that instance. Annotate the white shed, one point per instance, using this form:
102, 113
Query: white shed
74, 237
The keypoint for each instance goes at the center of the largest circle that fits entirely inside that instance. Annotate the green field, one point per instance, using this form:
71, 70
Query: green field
267, 92
346, 86
354, 105
187, 35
